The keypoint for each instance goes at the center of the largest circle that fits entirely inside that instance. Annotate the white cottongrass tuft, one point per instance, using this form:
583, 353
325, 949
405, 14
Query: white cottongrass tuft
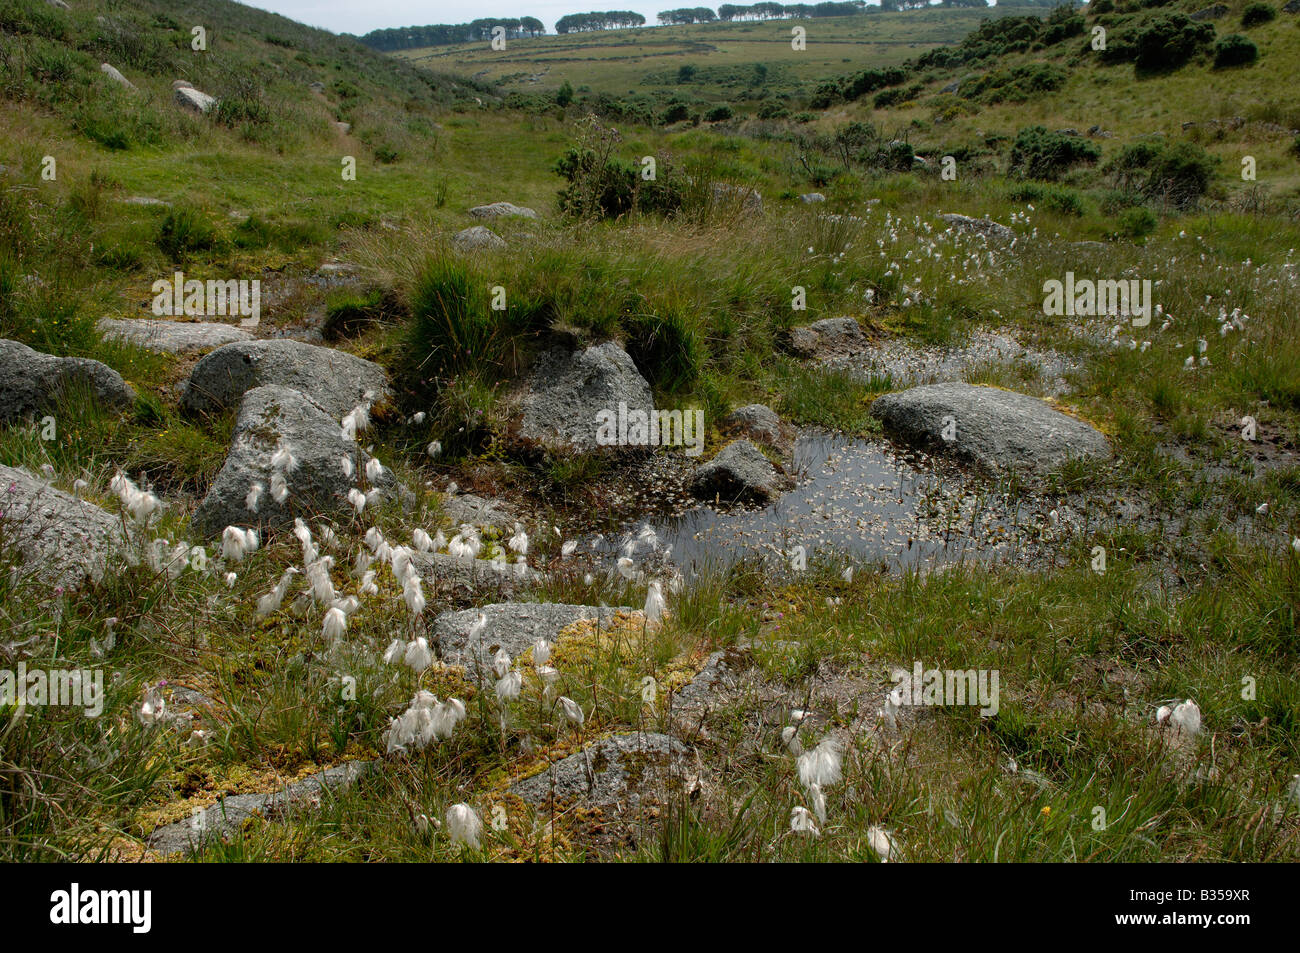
254, 497
879, 840
654, 604
418, 657
463, 825
336, 624
572, 710
421, 541
821, 766
801, 822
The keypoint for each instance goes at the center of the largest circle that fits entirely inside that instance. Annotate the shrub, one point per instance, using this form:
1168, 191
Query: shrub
772, 110
1137, 222
1039, 154
1179, 173
1257, 13
719, 113
1169, 41
1234, 50
677, 112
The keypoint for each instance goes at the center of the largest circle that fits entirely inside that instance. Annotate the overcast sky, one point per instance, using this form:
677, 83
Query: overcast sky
351, 16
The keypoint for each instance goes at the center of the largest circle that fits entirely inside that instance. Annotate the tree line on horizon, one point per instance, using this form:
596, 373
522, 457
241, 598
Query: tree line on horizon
449, 34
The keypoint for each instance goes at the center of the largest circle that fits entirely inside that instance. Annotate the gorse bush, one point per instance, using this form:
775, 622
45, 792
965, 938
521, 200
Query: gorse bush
1179, 174
1234, 50
1169, 41
1257, 13
1040, 154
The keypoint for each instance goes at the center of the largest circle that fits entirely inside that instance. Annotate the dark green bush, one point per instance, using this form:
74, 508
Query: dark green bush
719, 113
1257, 13
1169, 41
1040, 154
1234, 50
1179, 174
1137, 222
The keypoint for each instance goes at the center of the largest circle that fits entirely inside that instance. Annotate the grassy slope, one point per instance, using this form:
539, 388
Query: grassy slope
1170, 620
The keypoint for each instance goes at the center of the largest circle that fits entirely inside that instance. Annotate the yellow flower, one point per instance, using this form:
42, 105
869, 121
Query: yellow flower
1046, 811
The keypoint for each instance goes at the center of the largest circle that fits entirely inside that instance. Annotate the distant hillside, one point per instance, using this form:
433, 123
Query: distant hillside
275, 80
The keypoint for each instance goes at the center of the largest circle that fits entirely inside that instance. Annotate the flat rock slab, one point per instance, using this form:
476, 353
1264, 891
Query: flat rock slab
173, 337
32, 382
621, 770
335, 380
466, 579
513, 626
466, 508
268, 418
995, 428
740, 473
980, 226
568, 389
227, 816
502, 210
60, 540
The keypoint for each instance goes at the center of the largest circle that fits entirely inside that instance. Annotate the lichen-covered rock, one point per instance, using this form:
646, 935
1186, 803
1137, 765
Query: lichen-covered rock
113, 74
827, 337
737, 198
335, 380
32, 382
513, 626
980, 226
501, 210
52, 536
271, 417
567, 390
477, 236
621, 770
466, 508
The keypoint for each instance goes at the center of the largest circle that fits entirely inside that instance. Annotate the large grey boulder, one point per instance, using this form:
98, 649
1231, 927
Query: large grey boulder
502, 210
173, 337
1216, 12
621, 770
995, 428
827, 337
477, 236
336, 381
56, 538
513, 626
1292, 7
270, 417
979, 226
32, 382
740, 473
187, 97
568, 389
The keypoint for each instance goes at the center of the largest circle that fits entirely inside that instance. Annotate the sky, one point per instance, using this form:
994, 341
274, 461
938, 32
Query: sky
351, 16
